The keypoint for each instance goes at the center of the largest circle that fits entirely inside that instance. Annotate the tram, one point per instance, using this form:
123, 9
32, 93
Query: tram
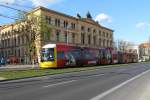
61, 55
64, 55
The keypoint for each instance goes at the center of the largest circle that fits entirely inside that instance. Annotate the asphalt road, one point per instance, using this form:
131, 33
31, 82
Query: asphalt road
117, 83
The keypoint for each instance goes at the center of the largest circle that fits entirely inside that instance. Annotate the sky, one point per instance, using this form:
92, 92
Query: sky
130, 19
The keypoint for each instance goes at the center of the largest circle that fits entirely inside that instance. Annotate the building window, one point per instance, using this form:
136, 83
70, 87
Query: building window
25, 39
103, 34
99, 33
94, 31
18, 40
110, 35
48, 19
15, 42
99, 42
22, 29
82, 38
9, 53
23, 52
82, 28
6, 54
89, 29
94, 40
19, 52
73, 37
3, 44
73, 26
89, 39
22, 40
107, 35
57, 22
66, 37
107, 43
57, 35
111, 43
8, 42
8, 33
65, 24
104, 42
14, 52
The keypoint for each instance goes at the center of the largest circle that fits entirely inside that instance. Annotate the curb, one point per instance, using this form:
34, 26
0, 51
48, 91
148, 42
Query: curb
18, 67
2, 78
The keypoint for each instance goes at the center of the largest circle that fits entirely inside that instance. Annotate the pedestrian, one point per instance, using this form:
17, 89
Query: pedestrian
8, 61
2, 61
22, 61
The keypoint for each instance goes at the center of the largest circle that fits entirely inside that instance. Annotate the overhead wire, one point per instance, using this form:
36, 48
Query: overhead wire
5, 16
12, 8
9, 7
18, 5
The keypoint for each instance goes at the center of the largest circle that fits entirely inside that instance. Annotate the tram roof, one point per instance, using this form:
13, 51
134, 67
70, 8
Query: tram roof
49, 46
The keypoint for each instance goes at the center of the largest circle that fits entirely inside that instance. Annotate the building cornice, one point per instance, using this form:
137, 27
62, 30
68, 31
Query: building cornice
90, 21
86, 20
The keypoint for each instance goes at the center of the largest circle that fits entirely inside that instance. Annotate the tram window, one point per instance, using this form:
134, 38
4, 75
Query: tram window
69, 55
48, 54
76, 53
70, 58
102, 54
109, 55
87, 55
60, 55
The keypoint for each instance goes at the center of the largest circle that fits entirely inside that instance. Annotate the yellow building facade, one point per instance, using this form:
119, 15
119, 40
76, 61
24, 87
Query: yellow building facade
83, 32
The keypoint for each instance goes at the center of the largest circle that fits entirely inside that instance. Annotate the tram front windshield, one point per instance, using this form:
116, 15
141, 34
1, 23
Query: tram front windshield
47, 54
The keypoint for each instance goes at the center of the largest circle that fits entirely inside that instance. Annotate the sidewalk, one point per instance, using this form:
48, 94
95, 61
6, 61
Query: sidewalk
18, 67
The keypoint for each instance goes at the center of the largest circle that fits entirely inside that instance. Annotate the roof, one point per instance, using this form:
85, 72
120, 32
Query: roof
146, 44
87, 20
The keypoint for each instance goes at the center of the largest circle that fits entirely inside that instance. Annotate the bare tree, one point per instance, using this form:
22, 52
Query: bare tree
124, 46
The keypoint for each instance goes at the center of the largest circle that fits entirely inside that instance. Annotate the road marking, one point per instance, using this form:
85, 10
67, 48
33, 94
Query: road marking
99, 75
51, 85
100, 96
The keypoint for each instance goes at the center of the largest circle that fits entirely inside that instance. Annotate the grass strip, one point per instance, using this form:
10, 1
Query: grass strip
17, 74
